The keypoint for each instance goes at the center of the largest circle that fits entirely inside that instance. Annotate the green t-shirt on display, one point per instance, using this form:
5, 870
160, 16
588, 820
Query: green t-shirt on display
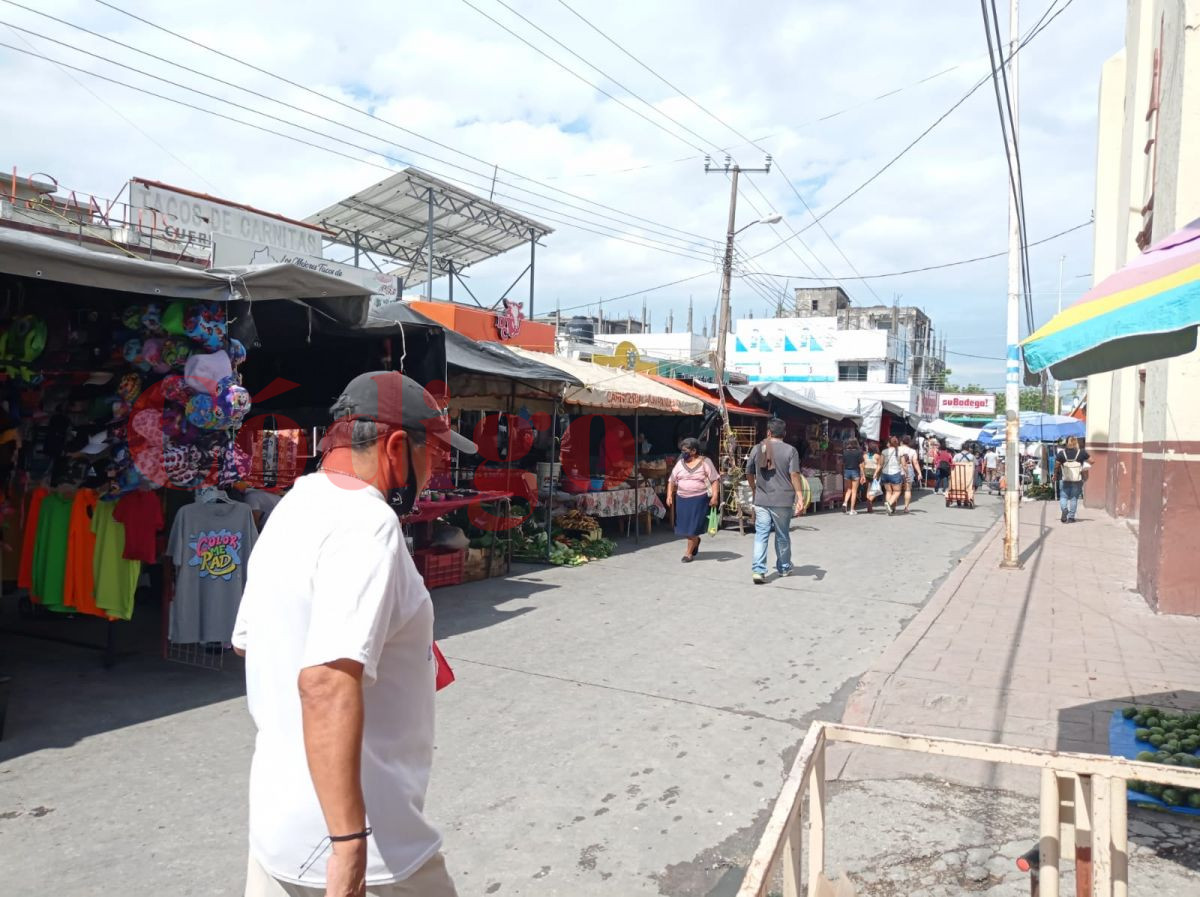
116, 578
50, 552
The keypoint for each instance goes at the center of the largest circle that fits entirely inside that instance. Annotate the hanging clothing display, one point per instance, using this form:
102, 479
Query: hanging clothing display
50, 552
79, 590
209, 543
25, 571
115, 577
141, 513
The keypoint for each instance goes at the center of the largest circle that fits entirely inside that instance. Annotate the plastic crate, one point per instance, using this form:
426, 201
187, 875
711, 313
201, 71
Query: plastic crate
440, 566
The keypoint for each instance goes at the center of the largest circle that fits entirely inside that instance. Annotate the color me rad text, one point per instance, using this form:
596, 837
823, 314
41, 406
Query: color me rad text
218, 553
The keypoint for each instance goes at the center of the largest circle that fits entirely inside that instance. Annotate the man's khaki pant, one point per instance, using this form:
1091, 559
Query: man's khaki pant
431, 880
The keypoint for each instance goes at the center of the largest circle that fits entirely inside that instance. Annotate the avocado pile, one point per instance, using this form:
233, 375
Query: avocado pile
1175, 739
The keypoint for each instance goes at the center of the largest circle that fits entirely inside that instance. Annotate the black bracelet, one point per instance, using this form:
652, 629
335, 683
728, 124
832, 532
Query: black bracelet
364, 834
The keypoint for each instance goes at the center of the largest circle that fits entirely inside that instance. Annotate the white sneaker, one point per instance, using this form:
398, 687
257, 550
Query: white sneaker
853, 512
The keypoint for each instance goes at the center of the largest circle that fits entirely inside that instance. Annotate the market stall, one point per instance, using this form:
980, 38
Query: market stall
506, 403
818, 431
123, 413
598, 438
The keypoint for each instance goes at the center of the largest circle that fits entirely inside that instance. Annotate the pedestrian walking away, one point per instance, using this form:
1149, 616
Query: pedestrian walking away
944, 461
337, 630
692, 490
870, 473
893, 465
1071, 467
773, 472
912, 470
853, 474
991, 466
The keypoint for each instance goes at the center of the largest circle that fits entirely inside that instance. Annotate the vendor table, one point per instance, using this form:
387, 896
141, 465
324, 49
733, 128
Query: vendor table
620, 502
432, 510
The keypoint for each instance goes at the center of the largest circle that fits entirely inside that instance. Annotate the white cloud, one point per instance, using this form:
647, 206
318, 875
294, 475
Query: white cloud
767, 68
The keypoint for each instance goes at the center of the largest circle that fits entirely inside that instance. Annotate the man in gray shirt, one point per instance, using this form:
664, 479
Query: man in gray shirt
773, 471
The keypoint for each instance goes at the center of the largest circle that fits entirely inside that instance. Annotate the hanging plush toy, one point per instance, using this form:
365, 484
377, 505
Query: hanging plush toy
152, 355
175, 353
131, 318
172, 319
233, 401
129, 387
202, 412
132, 353
237, 352
205, 325
234, 465
151, 320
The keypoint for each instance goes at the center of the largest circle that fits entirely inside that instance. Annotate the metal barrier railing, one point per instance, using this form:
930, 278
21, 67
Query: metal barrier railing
1097, 785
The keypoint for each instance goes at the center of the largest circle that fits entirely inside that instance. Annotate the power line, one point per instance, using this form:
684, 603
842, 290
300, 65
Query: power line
338, 102
652, 243
978, 258
719, 121
1042, 25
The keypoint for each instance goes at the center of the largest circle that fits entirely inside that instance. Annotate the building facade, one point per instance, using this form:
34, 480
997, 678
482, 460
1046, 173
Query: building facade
1144, 422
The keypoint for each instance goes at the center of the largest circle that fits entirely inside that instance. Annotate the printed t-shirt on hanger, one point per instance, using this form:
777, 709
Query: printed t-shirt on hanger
209, 543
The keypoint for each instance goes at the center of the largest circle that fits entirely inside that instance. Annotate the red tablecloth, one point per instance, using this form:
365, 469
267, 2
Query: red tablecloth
432, 510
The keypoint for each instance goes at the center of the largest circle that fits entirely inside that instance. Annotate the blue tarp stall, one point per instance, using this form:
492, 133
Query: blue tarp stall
1035, 427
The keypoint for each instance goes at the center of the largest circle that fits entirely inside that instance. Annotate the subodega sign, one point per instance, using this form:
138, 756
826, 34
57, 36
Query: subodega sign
966, 403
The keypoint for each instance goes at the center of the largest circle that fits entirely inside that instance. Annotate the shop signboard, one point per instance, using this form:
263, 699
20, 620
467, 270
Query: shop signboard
983, 403
385, 288
785, 350
193, 218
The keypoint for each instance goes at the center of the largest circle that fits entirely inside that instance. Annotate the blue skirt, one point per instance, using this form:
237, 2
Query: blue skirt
691, 515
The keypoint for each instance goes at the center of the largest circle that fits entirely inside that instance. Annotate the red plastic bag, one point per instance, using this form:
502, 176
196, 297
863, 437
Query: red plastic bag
445, 675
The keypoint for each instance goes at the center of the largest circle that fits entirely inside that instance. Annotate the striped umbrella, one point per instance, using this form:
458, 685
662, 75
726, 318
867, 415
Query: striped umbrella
1150, 309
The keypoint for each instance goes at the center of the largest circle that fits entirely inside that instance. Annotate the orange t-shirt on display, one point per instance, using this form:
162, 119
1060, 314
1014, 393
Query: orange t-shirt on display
79, 590
25, 571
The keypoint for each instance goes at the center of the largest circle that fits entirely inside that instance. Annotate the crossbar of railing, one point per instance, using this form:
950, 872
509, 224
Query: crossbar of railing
1103, 779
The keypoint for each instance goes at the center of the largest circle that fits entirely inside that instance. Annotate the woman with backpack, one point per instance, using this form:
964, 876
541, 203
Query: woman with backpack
894, 467
1070, 465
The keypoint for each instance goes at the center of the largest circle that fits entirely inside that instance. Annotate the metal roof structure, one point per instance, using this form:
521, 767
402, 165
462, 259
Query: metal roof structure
431, 227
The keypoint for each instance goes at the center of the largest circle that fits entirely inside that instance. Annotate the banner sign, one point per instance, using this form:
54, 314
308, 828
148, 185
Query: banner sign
785, 350
196, 219
967, 403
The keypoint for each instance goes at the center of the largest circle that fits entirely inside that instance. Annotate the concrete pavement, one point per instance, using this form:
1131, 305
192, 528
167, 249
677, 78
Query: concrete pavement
619, 728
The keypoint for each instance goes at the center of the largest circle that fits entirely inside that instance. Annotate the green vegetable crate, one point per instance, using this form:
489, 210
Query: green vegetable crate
1152, 735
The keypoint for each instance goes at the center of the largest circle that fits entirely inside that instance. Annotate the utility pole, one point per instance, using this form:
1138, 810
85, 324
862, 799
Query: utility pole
689, 327
1057, 384
1012, 372
733, 171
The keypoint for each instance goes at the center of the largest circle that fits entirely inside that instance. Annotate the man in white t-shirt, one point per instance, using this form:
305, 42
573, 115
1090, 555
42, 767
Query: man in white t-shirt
337, 629
913, 472
991, 463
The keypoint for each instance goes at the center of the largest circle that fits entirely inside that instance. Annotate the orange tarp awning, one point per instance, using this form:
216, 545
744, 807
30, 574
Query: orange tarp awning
709, 399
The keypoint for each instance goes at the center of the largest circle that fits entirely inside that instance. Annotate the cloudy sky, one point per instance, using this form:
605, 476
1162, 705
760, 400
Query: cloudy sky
617, 171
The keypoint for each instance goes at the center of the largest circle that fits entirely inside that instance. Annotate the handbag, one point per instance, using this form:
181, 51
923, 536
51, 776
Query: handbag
714, 521
444, 675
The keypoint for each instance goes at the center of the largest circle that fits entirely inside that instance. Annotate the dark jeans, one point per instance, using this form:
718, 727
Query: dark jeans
943, 481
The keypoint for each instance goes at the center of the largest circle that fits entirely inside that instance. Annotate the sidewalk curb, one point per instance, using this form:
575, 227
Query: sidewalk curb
861, 705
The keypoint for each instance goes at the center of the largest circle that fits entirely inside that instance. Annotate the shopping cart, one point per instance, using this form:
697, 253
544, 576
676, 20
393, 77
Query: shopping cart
962, 485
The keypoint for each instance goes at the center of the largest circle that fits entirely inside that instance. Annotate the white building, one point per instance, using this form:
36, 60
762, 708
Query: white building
812, 355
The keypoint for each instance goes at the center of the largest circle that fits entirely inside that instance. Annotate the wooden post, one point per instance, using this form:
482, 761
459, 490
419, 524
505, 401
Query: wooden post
1102, 836
1120, 838
1048, 843
816, 822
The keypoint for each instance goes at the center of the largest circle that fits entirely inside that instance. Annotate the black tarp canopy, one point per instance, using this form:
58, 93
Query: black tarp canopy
479, 375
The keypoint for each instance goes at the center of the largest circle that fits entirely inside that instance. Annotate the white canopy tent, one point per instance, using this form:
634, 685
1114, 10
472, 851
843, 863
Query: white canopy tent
951, 434
615, 389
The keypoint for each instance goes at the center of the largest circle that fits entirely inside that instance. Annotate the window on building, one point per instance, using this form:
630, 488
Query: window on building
855, 371
816, 305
